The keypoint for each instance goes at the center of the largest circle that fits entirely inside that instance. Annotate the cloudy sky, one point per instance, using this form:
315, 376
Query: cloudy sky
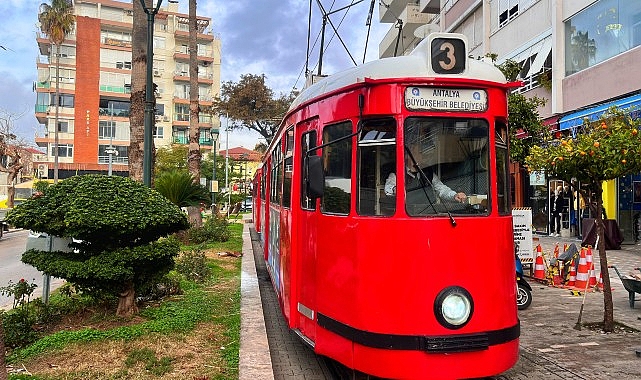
258, 37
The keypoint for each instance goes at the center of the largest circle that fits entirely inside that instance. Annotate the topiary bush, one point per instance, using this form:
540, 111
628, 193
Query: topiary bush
121, 226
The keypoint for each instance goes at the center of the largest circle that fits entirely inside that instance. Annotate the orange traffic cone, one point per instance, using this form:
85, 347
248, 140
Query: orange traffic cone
592, 273
582, 274
599, 284
539, 268
572, 279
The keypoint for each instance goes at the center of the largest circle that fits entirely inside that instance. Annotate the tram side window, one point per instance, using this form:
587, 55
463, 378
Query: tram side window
276, 179
263, 177
308, 142
452, 155
376, 161
337, 164
287, 167
502, 168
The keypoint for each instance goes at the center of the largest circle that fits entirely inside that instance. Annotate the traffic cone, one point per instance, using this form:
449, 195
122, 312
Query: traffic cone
582, 273
539, 268
599, 284
592, 273
572, 279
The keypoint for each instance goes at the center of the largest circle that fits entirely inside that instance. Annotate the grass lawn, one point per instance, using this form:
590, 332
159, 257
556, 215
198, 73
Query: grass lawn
194, 335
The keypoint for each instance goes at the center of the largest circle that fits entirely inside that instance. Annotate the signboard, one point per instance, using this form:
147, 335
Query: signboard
445, 99
448, 54
522, 227
214, 186
537, 178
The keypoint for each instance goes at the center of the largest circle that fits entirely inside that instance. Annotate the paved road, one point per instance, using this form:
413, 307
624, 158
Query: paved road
12, 245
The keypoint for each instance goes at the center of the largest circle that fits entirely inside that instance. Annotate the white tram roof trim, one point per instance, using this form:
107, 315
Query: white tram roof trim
416, 64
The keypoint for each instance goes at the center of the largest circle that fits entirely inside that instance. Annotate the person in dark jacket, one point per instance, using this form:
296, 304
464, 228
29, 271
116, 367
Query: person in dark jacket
557, 201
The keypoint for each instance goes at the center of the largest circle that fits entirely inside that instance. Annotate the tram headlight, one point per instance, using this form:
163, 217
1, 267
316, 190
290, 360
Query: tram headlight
453, 307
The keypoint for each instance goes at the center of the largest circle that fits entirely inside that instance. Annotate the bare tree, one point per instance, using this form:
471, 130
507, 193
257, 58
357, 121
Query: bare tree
11, 148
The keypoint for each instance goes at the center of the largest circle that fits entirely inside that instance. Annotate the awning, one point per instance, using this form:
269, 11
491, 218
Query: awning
575, 119
544, 51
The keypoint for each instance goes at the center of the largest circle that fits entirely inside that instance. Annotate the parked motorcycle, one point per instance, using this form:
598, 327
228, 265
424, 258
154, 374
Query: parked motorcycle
523, 289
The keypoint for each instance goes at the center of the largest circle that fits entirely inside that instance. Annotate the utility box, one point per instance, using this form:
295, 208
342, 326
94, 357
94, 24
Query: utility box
40, 242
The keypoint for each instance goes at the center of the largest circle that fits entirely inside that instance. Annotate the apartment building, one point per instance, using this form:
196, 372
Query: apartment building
95, 86
577, 54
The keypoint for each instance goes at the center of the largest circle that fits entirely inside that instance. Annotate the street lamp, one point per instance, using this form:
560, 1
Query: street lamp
149, 91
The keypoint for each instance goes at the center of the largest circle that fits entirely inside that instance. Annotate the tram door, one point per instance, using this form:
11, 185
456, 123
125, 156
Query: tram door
307, 135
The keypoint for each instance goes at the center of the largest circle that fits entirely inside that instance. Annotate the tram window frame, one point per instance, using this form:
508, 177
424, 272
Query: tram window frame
376, 157
288, 162
263, 181
308, 141
337, 165
502, 168
456, 150
276, 184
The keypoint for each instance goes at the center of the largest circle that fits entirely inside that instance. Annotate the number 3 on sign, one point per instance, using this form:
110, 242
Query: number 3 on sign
448, 55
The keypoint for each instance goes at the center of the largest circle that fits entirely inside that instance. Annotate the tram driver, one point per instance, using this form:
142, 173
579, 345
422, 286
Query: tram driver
412, 180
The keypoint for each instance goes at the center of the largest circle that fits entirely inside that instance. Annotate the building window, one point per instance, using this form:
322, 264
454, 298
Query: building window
106, 129
65, 100
181, 112
603, 30
64, 150
158, 132
63, 126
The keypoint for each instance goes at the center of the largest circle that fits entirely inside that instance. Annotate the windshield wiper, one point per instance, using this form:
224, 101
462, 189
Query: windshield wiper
422, 178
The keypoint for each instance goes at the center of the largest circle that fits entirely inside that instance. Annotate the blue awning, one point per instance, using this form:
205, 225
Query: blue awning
576, 119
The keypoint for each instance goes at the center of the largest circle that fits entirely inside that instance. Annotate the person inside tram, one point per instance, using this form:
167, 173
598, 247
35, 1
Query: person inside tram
412, 180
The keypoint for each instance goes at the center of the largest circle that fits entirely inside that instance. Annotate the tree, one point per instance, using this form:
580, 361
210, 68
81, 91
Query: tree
11, 148
180, 188
120, 224
57, 22
523, 116
251, 104
260, 147
171, 158
602, 150
138, 86
195, 156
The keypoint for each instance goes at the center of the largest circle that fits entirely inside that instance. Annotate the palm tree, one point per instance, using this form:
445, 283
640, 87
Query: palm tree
57, 21
138, 84
179, 187
194, 158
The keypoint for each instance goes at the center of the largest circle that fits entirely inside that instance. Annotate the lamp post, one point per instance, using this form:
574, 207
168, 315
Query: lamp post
214, 184
149, 91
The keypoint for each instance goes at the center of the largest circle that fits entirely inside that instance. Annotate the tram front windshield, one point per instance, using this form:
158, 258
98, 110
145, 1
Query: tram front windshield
446, 166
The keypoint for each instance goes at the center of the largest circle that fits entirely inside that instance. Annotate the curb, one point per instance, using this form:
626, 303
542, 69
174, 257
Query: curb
254, 356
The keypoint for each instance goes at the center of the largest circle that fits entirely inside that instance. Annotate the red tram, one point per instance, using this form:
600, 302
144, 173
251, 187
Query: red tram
404, 276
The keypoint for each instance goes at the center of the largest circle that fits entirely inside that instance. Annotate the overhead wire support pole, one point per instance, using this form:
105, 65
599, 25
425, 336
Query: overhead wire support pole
368, 23
325, 19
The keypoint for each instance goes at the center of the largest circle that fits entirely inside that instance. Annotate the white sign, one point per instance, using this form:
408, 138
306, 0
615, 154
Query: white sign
537, 178
445, 99
522, 227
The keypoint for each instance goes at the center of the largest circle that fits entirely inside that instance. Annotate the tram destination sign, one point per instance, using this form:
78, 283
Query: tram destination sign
445, 99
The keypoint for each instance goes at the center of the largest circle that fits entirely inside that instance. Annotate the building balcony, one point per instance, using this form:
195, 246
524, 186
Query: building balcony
411, 17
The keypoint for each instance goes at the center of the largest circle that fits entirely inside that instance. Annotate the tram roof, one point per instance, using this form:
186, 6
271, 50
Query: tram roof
414, 65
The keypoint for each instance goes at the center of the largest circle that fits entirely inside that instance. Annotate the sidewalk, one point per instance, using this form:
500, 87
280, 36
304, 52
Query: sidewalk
548, 326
